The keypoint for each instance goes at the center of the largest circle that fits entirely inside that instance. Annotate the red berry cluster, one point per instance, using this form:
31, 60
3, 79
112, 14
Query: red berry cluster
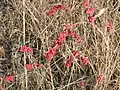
76, 54
90, 11
8, 78
59, 42
26, 49
54, 9
33, 66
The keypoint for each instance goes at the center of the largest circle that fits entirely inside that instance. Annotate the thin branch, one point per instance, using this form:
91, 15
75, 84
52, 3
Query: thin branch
26, 84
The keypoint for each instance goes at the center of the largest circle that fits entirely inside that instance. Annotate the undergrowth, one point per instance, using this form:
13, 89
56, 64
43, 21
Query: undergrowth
59, 45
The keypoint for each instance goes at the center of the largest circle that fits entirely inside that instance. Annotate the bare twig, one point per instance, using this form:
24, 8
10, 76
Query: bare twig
26, 81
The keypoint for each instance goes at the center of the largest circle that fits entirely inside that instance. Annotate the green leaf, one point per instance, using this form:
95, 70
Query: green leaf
69, 38
21, 43
43, 62
40, 70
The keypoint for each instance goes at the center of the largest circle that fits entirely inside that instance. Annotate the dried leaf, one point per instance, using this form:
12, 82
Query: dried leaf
101, 12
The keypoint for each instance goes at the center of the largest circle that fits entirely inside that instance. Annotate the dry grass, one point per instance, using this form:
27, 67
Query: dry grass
27, 22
